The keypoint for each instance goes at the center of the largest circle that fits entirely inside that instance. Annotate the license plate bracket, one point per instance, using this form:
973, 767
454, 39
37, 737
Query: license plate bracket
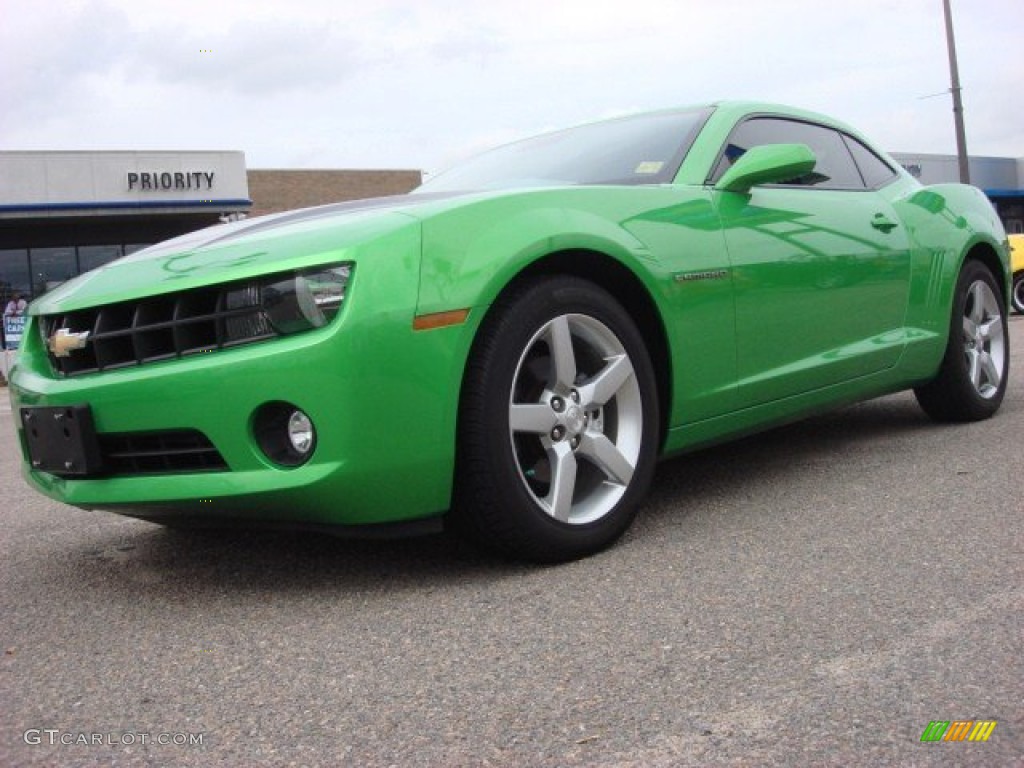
62, 440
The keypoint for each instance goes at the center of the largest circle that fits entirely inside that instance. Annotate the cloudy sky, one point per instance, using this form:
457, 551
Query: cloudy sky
421, 83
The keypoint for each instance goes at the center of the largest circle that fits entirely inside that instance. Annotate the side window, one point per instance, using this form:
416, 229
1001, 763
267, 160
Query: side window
835, 168
875, 170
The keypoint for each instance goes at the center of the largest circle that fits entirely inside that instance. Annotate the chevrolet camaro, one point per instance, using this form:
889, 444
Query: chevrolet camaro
508, 350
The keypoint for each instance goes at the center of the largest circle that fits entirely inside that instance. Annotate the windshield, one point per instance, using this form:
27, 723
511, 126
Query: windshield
643, 149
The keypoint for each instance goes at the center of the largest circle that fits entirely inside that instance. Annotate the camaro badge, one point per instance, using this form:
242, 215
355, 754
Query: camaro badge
64, 342
713, 274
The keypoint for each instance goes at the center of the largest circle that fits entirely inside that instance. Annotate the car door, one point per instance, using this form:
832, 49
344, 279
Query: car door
820, 266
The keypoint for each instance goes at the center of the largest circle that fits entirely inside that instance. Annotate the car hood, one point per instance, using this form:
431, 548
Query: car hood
240, 250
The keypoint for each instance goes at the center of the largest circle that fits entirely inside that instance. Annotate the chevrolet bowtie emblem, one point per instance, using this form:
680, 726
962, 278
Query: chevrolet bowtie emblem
64, 342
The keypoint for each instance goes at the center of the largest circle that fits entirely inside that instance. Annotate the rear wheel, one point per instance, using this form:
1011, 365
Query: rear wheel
559, 423
1017, 297
972, 378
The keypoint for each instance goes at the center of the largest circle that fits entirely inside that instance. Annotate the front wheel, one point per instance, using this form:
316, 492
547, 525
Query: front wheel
1017, 297
972, 377
558, 426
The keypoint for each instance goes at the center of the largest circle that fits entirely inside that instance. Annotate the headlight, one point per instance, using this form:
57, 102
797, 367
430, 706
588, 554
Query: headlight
309, 299
244, 320
283, 304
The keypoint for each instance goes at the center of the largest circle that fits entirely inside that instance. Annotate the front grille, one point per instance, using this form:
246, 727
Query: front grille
146, 453
160, 328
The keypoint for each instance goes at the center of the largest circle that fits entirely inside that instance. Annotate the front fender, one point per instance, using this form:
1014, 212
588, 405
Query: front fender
472, 252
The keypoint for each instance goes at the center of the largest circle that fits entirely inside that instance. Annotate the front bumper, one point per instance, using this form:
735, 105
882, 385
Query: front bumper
383, 399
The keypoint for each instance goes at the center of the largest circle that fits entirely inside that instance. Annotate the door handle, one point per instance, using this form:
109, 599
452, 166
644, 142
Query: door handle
883, 223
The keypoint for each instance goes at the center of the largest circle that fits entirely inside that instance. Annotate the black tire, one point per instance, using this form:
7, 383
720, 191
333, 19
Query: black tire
1017, 295
567, 480
972, 377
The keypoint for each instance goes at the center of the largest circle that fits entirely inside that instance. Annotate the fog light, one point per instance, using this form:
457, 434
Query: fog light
284, 433
300, 432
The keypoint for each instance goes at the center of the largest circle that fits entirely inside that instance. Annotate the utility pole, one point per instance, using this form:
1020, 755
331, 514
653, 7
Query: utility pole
958, 106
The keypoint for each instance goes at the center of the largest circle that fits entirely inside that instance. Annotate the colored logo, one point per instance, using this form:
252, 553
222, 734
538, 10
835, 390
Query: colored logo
958, 730
64, 342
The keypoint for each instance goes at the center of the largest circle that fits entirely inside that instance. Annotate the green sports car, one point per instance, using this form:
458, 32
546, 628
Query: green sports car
508, 350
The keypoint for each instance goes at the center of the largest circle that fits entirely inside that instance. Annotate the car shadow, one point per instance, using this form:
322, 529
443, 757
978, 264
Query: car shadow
201, 561
131, 556
846, 435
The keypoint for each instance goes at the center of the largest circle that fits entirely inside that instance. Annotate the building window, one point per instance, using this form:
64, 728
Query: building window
131, 248
14, 275
92, 256
51, 267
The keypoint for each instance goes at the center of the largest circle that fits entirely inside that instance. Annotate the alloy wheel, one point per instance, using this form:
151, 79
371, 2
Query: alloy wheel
984, 342
576, 419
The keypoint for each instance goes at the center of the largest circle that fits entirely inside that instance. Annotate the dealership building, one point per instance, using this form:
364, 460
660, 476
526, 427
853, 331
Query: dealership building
1002, 179
63, 213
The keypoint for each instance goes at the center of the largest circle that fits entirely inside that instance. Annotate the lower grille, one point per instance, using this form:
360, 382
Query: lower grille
150, 453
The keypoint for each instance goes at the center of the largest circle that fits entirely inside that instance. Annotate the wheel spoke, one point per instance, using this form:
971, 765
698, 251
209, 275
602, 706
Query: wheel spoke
970, 328
989, 368
974, 368
606, 456
991, 330
563, 481
563, 359
608, 381
535, 418
978, 303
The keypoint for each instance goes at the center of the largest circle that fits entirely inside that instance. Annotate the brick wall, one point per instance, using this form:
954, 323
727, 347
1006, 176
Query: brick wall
274, 190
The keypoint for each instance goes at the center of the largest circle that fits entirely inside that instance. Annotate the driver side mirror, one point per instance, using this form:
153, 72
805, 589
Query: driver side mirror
767, 164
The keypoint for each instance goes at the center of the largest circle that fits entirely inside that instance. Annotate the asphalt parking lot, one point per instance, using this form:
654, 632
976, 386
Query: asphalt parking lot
816, 595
